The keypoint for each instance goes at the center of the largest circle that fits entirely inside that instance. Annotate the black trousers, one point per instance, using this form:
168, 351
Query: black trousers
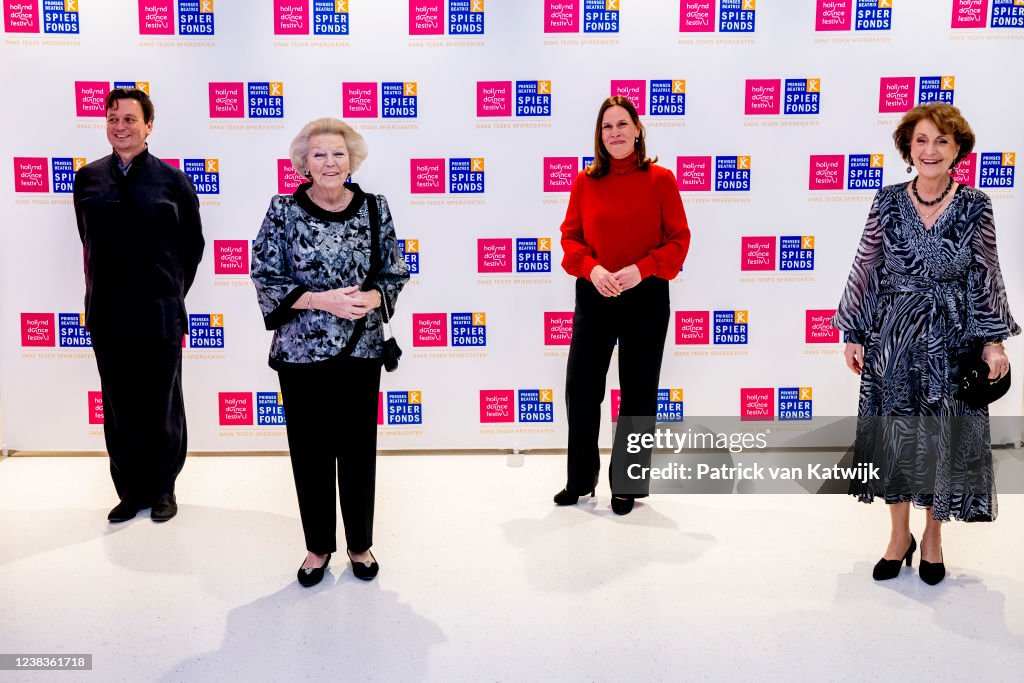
143, 414
331, 413
638, 319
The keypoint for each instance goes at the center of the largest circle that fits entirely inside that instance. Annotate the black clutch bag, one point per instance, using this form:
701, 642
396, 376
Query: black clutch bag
974, 387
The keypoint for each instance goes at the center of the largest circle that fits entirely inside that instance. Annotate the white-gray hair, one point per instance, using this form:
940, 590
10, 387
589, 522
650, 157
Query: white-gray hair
327, 126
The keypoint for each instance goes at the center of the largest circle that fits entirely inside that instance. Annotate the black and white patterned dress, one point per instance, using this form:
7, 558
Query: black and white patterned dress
303, 248
916, 299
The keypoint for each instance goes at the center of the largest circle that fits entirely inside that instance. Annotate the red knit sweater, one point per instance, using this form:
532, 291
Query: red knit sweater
627, 217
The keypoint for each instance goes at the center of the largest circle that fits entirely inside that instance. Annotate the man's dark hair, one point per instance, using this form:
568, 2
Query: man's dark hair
131, 94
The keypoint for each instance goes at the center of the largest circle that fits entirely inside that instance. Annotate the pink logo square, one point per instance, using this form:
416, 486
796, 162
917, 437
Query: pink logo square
693, 174
494, 98
494, 255
757, 404
762, 96
969, 13
95, 407
426, 176
561, 16
497, 405
380, 407
833, 15
291, 17
21, 16
235, 408
557, 328
616, 404
90, 97
31, 174
430, 329
633, 90
692, 327
757, 253
359, 100
426, 17
37, 329
696, 16
226, 100
288, 179
176, 163
559, 173
896, 94
826, 172
231, 257
967, 170
818, 329
156, 17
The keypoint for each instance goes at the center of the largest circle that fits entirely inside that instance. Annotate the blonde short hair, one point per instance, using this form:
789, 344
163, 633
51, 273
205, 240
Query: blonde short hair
355, 143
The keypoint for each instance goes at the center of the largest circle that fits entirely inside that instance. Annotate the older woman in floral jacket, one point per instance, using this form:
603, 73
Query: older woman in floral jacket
326, 294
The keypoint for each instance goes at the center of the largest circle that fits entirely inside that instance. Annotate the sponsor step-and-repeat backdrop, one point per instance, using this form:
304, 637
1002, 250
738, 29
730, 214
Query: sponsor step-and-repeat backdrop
776, 118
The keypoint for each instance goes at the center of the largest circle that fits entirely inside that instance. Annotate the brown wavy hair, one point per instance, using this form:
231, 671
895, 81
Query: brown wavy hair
600, 166
946, 118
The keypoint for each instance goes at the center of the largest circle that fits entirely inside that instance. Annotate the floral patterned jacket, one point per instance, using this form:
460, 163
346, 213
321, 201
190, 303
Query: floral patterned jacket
303, 248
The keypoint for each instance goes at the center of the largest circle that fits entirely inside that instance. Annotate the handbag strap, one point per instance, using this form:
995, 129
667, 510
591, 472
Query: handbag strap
375, 267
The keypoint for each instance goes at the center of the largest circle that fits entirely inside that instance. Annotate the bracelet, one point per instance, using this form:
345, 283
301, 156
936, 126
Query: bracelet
994, 343
309, 302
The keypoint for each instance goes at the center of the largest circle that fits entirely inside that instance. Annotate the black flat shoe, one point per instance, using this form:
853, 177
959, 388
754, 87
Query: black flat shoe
563, 497
311, 577
890, 569
364, 571
932, 572
622, 506
164, 508
124, 511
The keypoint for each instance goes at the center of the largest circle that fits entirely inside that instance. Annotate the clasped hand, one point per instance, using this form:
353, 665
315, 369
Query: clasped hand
614, 284
350, 303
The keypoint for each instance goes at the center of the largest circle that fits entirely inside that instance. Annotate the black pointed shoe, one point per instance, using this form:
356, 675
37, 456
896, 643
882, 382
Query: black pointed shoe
890, 569
364, 571
124, 511
932, 572
563, 497
313, 576
165, 507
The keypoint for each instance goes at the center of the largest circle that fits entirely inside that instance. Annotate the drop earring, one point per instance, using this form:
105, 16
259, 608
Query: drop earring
910, 168
308, 174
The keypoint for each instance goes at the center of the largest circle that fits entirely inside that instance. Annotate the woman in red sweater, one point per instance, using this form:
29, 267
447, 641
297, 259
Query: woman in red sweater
624, 237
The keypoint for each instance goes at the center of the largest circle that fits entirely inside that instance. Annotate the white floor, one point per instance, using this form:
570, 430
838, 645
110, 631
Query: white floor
483, 579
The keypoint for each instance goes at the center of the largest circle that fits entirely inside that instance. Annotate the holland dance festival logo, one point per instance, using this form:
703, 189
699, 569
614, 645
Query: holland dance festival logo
59, 17
595, 16
330, 18
732, 16
859, 15
42, 174
972, 14
195, 18
466, 175
253, 100
465, 17
398, 100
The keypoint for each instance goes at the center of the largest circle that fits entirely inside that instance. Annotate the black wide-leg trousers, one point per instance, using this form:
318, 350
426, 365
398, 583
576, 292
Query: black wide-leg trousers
638, 320
143, 414
331, 417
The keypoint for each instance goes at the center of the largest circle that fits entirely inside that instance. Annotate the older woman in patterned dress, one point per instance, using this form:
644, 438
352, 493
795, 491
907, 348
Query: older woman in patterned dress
320, 289
925, 288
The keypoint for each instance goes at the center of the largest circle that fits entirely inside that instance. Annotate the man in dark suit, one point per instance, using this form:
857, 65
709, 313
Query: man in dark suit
138, 219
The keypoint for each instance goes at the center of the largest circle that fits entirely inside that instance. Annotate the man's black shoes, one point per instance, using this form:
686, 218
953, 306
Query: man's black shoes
164, 508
